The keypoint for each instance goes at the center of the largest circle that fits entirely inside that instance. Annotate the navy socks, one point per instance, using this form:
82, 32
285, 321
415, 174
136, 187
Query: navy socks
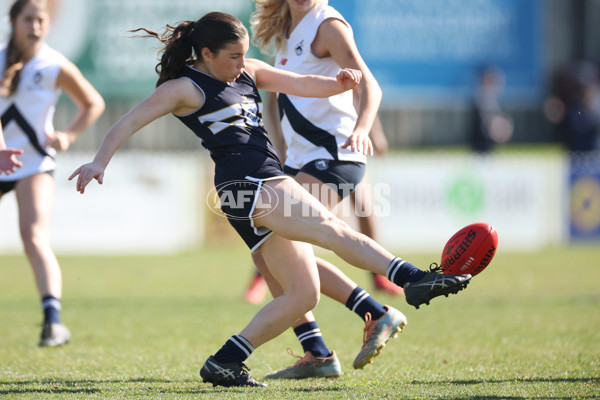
401, 272
236, 349
311, 340
362, 303
51, 306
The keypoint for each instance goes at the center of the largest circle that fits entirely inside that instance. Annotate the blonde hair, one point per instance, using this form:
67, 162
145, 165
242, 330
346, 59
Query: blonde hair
269, 24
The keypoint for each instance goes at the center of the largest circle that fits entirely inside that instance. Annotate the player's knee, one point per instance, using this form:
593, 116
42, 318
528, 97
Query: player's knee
310, 301
314, 298
33, 238
306, 300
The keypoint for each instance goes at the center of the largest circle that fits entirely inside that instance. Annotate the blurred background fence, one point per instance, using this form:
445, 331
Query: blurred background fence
540, 171
426, 55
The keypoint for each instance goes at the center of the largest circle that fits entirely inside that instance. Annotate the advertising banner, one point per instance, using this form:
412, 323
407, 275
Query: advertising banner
584, 197
434, 49
422, 200
139, 209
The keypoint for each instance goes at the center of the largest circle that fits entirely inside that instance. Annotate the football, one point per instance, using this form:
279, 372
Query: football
470, 250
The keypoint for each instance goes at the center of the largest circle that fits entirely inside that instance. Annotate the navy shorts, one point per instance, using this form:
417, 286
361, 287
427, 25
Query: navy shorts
238, 199
7, 186
342, 176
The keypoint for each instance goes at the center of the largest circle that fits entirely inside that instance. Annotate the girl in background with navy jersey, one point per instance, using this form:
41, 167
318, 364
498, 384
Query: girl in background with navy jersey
325, 143
33, 76
206, 82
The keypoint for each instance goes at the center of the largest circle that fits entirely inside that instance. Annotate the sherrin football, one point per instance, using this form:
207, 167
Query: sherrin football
470, 250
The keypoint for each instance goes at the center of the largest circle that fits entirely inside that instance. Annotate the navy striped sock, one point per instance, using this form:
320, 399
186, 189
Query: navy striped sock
51, 306
236, 349
401, 272
362, 303
311, 339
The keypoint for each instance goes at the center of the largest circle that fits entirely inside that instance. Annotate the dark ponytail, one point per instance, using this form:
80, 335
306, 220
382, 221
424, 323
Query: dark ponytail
186, 40
177, 51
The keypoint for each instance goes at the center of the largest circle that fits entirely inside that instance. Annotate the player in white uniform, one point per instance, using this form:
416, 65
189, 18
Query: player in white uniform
27, 113
334, 116
327, 143
317, 129
33, 76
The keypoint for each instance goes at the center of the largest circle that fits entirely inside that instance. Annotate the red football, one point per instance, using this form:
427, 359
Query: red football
470, 250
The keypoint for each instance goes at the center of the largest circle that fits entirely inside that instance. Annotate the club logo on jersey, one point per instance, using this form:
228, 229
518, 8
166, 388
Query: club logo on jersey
283, 61
322, 165
250, 112
36, 81
299, 47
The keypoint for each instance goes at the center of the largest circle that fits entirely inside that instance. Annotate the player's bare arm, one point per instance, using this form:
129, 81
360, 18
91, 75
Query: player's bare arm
276, 80
178, 96
87, 99
334, 39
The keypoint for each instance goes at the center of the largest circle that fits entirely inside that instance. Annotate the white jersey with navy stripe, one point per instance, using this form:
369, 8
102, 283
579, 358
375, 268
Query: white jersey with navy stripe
314, 128
27, 114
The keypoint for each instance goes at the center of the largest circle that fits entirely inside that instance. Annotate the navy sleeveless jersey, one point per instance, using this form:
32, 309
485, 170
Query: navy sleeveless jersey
230, 126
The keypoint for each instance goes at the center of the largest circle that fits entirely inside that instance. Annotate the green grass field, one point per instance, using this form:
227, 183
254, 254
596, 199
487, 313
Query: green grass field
528, 327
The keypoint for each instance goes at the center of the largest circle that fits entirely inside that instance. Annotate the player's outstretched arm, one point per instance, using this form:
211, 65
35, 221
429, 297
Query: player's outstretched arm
276, 80
174, 96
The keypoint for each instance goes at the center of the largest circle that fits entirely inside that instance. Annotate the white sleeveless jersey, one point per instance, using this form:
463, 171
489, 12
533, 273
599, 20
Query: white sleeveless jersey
314, 128
27, 114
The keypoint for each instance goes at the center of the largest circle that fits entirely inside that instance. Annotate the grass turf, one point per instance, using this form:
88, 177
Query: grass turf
527, 327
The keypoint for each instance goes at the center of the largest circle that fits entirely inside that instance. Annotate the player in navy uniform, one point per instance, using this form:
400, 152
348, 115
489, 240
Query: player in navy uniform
33, 76
206, 81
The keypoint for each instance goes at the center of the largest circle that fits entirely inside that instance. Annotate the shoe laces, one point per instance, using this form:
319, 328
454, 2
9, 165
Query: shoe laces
246, 378
301, 360
435, 268
244, 370
369, 328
